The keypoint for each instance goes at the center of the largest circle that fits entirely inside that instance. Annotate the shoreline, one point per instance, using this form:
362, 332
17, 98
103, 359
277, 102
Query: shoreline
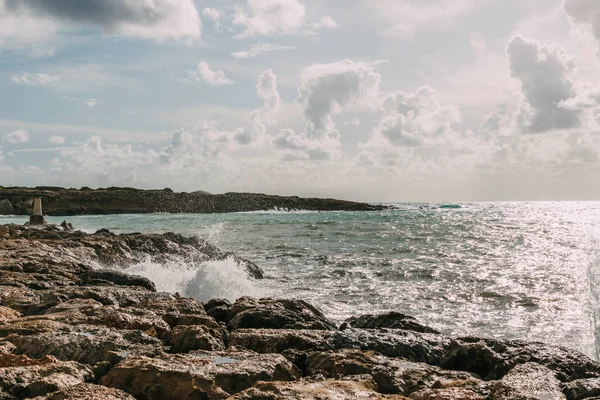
68, 202
73, 326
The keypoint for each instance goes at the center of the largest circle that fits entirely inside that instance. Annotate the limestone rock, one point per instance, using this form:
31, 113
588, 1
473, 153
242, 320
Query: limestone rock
197, 375
393, 320
248, 313
318, 389
447, 394
528, 381
88, 344
197, 337
87, 391
7, 314
25, 377
116, 277
582, 389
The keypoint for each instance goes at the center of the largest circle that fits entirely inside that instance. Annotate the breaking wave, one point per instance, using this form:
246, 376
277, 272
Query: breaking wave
202, 281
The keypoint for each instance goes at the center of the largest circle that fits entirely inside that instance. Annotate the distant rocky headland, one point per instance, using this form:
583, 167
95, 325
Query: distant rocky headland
74, 326
116, 200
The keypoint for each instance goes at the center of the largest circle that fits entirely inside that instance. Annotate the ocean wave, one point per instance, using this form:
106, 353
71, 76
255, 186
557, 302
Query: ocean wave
202, 281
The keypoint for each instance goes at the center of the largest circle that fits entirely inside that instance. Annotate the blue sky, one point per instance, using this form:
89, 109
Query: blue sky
380, 100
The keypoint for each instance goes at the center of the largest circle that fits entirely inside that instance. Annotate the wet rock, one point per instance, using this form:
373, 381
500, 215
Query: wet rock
394, 376
116, 277
6, 207
197, 337
197, 375
87, 391
315, 389
392, 320
492, 359
24, 377
278, 341
218, 309
582, 389
67, 226
248, 313
528, 381
88, 344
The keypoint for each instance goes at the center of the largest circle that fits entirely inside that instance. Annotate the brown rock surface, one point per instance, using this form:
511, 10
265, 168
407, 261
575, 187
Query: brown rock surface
197, 375
87, 391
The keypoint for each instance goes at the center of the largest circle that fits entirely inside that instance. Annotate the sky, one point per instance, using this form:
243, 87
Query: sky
371, 100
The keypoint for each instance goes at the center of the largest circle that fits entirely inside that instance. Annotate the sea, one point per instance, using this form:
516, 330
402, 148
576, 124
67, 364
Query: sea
518, 270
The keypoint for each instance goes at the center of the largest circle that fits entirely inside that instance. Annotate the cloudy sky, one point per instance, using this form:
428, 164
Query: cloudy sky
376, 100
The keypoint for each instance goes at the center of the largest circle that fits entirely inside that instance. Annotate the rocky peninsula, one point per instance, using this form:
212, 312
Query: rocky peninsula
73, 326
115, 200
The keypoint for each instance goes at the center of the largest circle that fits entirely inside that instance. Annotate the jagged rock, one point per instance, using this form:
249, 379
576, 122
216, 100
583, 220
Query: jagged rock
197, 337
24, 377
393, 320
218, 309
528, 381
116, 277
492, 359
6, 207
582, 389
67, 226
87, 391
392, 375
455, 393
197, 375
278, 341
7, 314
87, 344
319, 390
248, 313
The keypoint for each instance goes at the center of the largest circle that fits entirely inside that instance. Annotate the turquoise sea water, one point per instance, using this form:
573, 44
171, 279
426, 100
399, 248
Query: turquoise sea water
506, 270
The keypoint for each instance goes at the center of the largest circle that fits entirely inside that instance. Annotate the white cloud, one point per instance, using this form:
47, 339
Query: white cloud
16, 137
56, 140
147, 19
269, 17
204, 73
33, 78
91, 102
259, 49
214, 15
405, 17
326, 88
326, 22
266, 90
586, 13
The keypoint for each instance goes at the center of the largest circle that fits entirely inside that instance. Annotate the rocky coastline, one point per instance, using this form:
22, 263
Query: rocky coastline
73, 326
115, 200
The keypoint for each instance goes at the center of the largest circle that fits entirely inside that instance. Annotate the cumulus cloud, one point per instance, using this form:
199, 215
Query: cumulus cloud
585, 13
260, 49
33, 78
16, 137
147, 19
545, 74
214, 15
266, 89
269, 17
56, 140
204, 73
326, 89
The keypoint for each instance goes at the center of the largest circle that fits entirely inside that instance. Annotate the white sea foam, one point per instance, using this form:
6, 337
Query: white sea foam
202, 281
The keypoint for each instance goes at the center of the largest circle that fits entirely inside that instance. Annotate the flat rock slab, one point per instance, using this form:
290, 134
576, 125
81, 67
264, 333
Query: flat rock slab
582, 389
24, 377
198, 375
318, 390
87, 391
528, 381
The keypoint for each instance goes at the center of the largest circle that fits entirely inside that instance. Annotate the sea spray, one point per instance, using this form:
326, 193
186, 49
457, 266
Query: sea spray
200, 280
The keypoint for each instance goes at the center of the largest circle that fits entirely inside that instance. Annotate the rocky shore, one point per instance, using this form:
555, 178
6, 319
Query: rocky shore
86, 201
72, 326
